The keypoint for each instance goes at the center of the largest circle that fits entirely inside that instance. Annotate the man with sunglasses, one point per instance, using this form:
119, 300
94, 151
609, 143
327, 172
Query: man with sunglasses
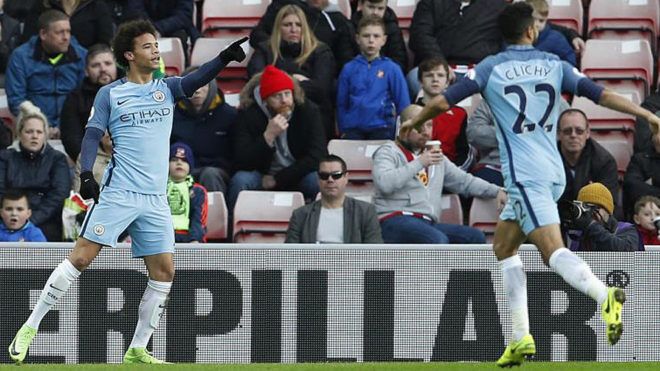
585, 161
335, 218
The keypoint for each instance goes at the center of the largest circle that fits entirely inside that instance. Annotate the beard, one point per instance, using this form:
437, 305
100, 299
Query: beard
285, 111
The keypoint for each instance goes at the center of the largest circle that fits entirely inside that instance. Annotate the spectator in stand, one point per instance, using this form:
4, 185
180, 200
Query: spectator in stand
434, 75
204, 122
34, 167
550, 40
481, 134
293, 48
100, 70
372, 90
335, 218
643, 135
16, 225
326, 21
103, 158
463, 32
278, 139
647, 214
642, 177
10, 33
596, 229
46, 69
585, 161
172, 18
395, 47
409, 179
91, 20
187, 199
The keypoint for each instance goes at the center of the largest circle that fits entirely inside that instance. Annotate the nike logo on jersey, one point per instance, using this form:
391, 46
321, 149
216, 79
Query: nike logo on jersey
58, 289
120, 102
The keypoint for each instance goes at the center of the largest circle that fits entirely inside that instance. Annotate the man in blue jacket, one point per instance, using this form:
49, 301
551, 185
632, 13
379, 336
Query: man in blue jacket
46, 68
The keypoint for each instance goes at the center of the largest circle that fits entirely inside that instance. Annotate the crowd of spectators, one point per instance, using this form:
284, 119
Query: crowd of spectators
314, 75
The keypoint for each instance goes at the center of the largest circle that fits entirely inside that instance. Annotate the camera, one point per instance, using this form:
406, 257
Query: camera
656, 222
570, 211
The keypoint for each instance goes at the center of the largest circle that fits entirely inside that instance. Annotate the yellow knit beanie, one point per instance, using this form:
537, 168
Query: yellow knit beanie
597, 194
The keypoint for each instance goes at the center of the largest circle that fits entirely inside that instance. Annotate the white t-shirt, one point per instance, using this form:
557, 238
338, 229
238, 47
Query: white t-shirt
331, 226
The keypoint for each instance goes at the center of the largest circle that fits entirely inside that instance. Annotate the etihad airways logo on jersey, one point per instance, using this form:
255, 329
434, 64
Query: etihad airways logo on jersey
147, 116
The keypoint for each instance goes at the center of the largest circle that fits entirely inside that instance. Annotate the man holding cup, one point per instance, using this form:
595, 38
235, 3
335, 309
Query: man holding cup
409, 176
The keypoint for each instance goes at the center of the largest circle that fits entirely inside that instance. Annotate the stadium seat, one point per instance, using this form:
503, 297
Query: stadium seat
616, 60
484, 216
344, 7
216, 227
624, 20
626, 137
263, 216
171, 50
227, 17
602, 118
233, 77
452, 211
357, 154
621, 151
404, 10
567, 13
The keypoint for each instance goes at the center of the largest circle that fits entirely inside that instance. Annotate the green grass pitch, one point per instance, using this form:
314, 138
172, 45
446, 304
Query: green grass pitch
393, 366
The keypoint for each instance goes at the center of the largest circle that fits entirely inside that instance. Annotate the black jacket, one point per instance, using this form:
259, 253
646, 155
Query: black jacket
395, 47
44, 176
11, 33
305, 139
73, 118
595, 164
642, 167
332, 28
168, 16
91, 22
642, 130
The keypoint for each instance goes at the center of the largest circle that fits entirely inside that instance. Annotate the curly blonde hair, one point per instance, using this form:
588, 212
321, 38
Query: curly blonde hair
30, 111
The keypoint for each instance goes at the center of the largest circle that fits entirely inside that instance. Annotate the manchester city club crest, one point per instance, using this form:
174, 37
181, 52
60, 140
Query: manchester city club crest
159, 96
99, 229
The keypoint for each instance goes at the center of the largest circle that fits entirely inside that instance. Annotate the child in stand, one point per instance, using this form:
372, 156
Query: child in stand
187, 199
647, 209
16, 226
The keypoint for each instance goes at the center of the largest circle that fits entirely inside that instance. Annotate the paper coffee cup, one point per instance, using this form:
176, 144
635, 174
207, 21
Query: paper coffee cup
433, 144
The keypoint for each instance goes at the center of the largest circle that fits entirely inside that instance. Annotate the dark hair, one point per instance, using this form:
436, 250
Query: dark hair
14, 195
373, 1
371, 20
334, 158
571, 111
95, 50
50, 16
431, 63
125, 38
514, 20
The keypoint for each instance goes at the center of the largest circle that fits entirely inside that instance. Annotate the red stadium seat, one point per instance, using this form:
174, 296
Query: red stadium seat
263, 217
5, 114
233, 77
614, 61
484, 216
601, 118
452, 211
621, 150
357, 154
225, 17
217, 217
624, 20
567, 13
404, 10
171, 50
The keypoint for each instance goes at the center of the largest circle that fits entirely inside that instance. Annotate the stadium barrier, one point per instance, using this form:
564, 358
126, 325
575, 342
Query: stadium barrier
307, 303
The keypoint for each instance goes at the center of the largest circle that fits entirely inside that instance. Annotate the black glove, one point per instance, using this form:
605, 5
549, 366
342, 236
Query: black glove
583, 221
234, 52
88, 186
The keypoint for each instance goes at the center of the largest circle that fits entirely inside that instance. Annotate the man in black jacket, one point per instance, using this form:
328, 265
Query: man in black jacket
100, 70
395, 47
643, 175
279, 138
585, 161
326, 21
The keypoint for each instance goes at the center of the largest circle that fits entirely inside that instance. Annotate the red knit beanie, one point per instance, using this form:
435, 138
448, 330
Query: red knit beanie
274, 80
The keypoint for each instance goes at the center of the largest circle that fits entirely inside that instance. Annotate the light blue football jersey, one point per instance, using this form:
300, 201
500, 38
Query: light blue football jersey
139, 120
523, 87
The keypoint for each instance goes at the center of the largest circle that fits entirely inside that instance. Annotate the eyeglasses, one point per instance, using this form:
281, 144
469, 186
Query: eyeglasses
336, 175
568, 131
